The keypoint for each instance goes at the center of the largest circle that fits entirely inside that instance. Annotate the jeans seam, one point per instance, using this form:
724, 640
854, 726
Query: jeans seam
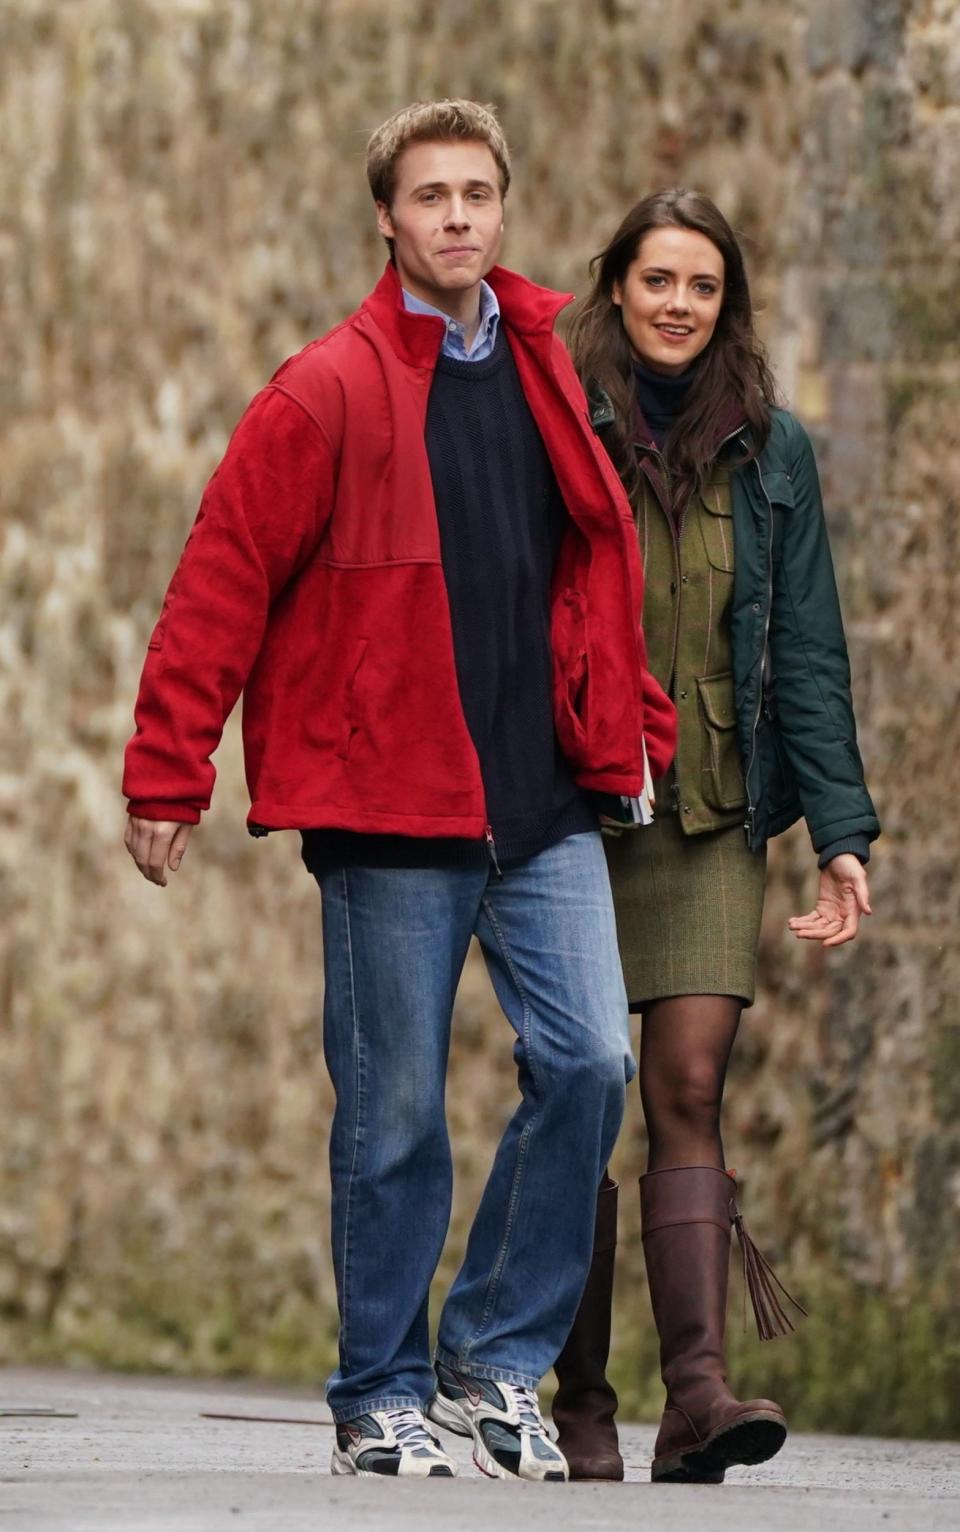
357, 1130
485, 1370
347, 1412
493, 1284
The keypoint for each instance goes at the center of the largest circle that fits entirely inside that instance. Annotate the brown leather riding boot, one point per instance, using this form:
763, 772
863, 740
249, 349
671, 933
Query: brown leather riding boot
687, 1217
585, 1403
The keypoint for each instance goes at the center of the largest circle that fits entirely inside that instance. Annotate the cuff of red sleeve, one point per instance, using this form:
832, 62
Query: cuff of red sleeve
149, 808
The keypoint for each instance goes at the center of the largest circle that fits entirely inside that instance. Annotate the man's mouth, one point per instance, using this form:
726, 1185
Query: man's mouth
459, 250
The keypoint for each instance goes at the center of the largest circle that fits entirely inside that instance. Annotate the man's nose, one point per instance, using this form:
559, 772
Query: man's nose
458, 214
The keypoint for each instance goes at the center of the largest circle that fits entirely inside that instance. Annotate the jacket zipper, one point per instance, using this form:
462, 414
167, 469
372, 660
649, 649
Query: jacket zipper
750, 821
492, 849
584, 420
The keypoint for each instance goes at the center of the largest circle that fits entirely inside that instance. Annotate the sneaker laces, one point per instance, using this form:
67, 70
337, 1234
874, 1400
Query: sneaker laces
409, 1427
528, 1411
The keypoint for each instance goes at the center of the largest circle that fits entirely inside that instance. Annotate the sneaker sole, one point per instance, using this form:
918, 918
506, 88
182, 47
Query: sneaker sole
447, 1413
341, 1464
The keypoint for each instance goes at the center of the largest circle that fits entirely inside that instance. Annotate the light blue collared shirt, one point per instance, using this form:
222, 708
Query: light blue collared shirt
454, 343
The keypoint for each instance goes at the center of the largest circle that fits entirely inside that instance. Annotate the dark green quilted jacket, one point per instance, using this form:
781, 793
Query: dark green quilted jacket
795, 718
795, 723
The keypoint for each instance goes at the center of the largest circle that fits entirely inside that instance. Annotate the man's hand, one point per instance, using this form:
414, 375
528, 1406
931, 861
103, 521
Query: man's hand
155, 845
844, 897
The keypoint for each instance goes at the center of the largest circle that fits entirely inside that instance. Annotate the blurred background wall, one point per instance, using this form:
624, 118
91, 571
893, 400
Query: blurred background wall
182, 204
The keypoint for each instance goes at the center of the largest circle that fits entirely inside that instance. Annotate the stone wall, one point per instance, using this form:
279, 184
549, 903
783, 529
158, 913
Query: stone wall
183, 204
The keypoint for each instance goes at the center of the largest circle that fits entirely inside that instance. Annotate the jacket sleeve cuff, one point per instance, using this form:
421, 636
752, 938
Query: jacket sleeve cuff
146, 808
859, 845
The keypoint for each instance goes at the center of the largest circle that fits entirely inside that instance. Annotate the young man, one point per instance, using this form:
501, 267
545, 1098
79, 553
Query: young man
419, 567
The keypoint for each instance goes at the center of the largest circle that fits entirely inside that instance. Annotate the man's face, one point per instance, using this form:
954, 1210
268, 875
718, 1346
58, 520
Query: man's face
446, 218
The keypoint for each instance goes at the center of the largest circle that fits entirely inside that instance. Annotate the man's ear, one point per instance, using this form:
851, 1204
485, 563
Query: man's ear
384, 221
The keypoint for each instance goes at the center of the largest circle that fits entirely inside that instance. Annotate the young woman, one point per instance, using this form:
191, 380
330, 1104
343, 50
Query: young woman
744, 631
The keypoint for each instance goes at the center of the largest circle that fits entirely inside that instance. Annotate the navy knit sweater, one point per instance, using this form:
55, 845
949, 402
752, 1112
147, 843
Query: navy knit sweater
501, 517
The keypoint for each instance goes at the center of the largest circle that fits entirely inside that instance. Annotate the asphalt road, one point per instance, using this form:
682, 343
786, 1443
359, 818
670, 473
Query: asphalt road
139, 1456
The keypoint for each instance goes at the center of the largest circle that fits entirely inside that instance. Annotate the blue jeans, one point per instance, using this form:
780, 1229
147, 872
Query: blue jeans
395, 941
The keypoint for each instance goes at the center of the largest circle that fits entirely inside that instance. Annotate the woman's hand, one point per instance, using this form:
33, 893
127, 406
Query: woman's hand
844, 896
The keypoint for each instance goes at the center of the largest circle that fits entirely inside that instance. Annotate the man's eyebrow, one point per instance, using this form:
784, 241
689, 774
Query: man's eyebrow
445, 186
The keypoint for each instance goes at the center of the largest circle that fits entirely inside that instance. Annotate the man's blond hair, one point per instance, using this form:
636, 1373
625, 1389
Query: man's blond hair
429, 122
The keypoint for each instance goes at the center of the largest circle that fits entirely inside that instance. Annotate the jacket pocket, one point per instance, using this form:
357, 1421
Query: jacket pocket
779, 487
717, 527
351, 708
721, 771
571, 670
575, 696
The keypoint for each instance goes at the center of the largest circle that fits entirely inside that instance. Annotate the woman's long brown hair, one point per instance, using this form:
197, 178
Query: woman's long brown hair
731, 370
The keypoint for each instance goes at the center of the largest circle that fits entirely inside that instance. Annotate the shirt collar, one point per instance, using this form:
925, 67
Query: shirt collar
489, 314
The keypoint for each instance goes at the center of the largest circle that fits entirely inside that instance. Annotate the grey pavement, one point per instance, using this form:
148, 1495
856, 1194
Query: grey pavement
141, 1457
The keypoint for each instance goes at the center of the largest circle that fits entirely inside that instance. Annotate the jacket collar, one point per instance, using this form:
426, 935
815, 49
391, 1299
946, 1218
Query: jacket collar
524, 307
602, 412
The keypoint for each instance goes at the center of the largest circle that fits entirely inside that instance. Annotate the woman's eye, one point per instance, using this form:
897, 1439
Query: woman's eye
655, 281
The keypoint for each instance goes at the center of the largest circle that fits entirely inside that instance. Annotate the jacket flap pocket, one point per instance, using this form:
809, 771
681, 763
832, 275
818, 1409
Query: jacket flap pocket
779, 487
716, 491
716, 500
716, 695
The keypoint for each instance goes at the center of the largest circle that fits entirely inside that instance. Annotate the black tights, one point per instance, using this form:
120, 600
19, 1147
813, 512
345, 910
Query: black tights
685, 1044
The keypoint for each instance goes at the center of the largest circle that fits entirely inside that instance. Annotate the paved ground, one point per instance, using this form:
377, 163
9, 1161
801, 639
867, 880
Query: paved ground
140, 1457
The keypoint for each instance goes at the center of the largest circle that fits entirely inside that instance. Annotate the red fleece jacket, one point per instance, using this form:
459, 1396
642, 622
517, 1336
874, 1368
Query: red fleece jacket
312, 582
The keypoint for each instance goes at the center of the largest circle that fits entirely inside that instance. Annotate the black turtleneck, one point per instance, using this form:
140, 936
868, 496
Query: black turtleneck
661, 397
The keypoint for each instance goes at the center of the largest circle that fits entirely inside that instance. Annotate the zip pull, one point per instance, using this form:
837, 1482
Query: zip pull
492, 849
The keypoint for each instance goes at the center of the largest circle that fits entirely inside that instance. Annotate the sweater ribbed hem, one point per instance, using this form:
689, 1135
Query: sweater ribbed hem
324, 850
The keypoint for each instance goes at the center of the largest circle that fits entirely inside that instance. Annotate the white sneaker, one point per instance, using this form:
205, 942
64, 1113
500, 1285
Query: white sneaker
395, 1443
509, 1436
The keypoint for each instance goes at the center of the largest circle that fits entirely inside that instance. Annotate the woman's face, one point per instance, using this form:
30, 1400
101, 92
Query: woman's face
671, 297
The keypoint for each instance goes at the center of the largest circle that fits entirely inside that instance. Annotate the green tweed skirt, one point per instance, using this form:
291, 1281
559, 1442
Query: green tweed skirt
688, 910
